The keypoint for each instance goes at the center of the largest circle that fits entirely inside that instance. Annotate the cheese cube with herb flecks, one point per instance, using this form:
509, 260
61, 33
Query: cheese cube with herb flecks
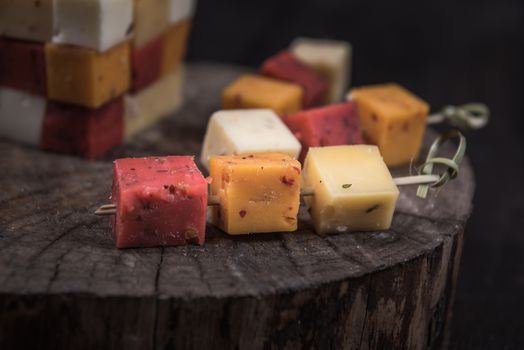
353, 189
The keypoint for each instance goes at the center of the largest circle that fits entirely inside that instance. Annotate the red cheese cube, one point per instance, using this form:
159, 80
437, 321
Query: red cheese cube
161, 201
146, 64
285, 66
332, 125
22, 66
81, 131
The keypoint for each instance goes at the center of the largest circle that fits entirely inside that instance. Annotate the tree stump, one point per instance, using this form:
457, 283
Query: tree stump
66, 286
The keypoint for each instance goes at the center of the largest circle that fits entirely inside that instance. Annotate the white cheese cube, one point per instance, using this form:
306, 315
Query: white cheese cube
153, 103
96, 24
330, 58
181, 9
21, 116
27, 19
151, 19
354, 190
247, 131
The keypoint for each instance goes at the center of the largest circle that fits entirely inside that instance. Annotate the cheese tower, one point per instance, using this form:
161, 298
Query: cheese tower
87, 74
392, 118
257, 193
353, 189
247, 131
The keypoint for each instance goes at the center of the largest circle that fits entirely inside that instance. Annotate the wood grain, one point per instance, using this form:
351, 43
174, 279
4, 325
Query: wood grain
64, 285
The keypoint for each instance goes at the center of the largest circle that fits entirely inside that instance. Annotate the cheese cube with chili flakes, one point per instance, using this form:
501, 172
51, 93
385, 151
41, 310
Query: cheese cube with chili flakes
160, 201
392, 118
353, 189
254, 91
257, 193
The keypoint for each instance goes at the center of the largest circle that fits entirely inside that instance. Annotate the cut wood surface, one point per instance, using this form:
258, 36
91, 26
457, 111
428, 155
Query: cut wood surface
63, 284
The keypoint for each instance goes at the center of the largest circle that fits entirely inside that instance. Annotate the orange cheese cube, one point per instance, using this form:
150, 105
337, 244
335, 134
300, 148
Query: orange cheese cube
393, 119
253, 91
174, 46
257, 193
86, 77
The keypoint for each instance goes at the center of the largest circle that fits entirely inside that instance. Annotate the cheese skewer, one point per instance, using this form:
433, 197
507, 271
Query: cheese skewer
110, 209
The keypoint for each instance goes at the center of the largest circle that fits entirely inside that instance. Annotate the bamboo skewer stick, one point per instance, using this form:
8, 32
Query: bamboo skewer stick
213, 200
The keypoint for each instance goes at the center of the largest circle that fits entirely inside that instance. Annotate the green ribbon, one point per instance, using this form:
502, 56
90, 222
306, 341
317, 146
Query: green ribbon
452, 164
468, 116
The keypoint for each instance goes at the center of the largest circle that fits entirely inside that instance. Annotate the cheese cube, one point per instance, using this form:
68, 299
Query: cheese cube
86, 77
174, 46
181, 9
330, 58
353, 189
21, 116
28, 19
337, 124
257, 193
285, 66
153, 103
146, 64
96, 24
81, 131
161, 201
393, 119
253, 91
151, 20
247, 131
22, 65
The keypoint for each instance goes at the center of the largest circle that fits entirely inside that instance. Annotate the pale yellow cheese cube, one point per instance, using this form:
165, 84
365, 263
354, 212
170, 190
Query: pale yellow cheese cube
247, 131
329, 58
153, 103
354, 190
151, 20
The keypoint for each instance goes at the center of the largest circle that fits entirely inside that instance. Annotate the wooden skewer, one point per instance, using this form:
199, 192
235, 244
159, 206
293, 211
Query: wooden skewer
213, 200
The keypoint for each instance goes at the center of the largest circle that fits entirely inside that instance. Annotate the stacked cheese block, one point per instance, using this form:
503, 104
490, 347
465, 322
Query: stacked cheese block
81, 76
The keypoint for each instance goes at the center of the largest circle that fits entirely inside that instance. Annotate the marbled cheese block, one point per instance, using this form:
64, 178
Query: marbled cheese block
332, 125
254, 91
28, 19
330, 58
353, 189
247, 131
86, 77
257, 193
151, 20
96, 24
22, 65
80, 131
21, 116
393, 119
161, 201
155, 102
181, 9
174, 46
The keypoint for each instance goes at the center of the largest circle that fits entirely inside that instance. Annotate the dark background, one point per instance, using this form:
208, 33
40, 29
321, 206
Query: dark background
447, 52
